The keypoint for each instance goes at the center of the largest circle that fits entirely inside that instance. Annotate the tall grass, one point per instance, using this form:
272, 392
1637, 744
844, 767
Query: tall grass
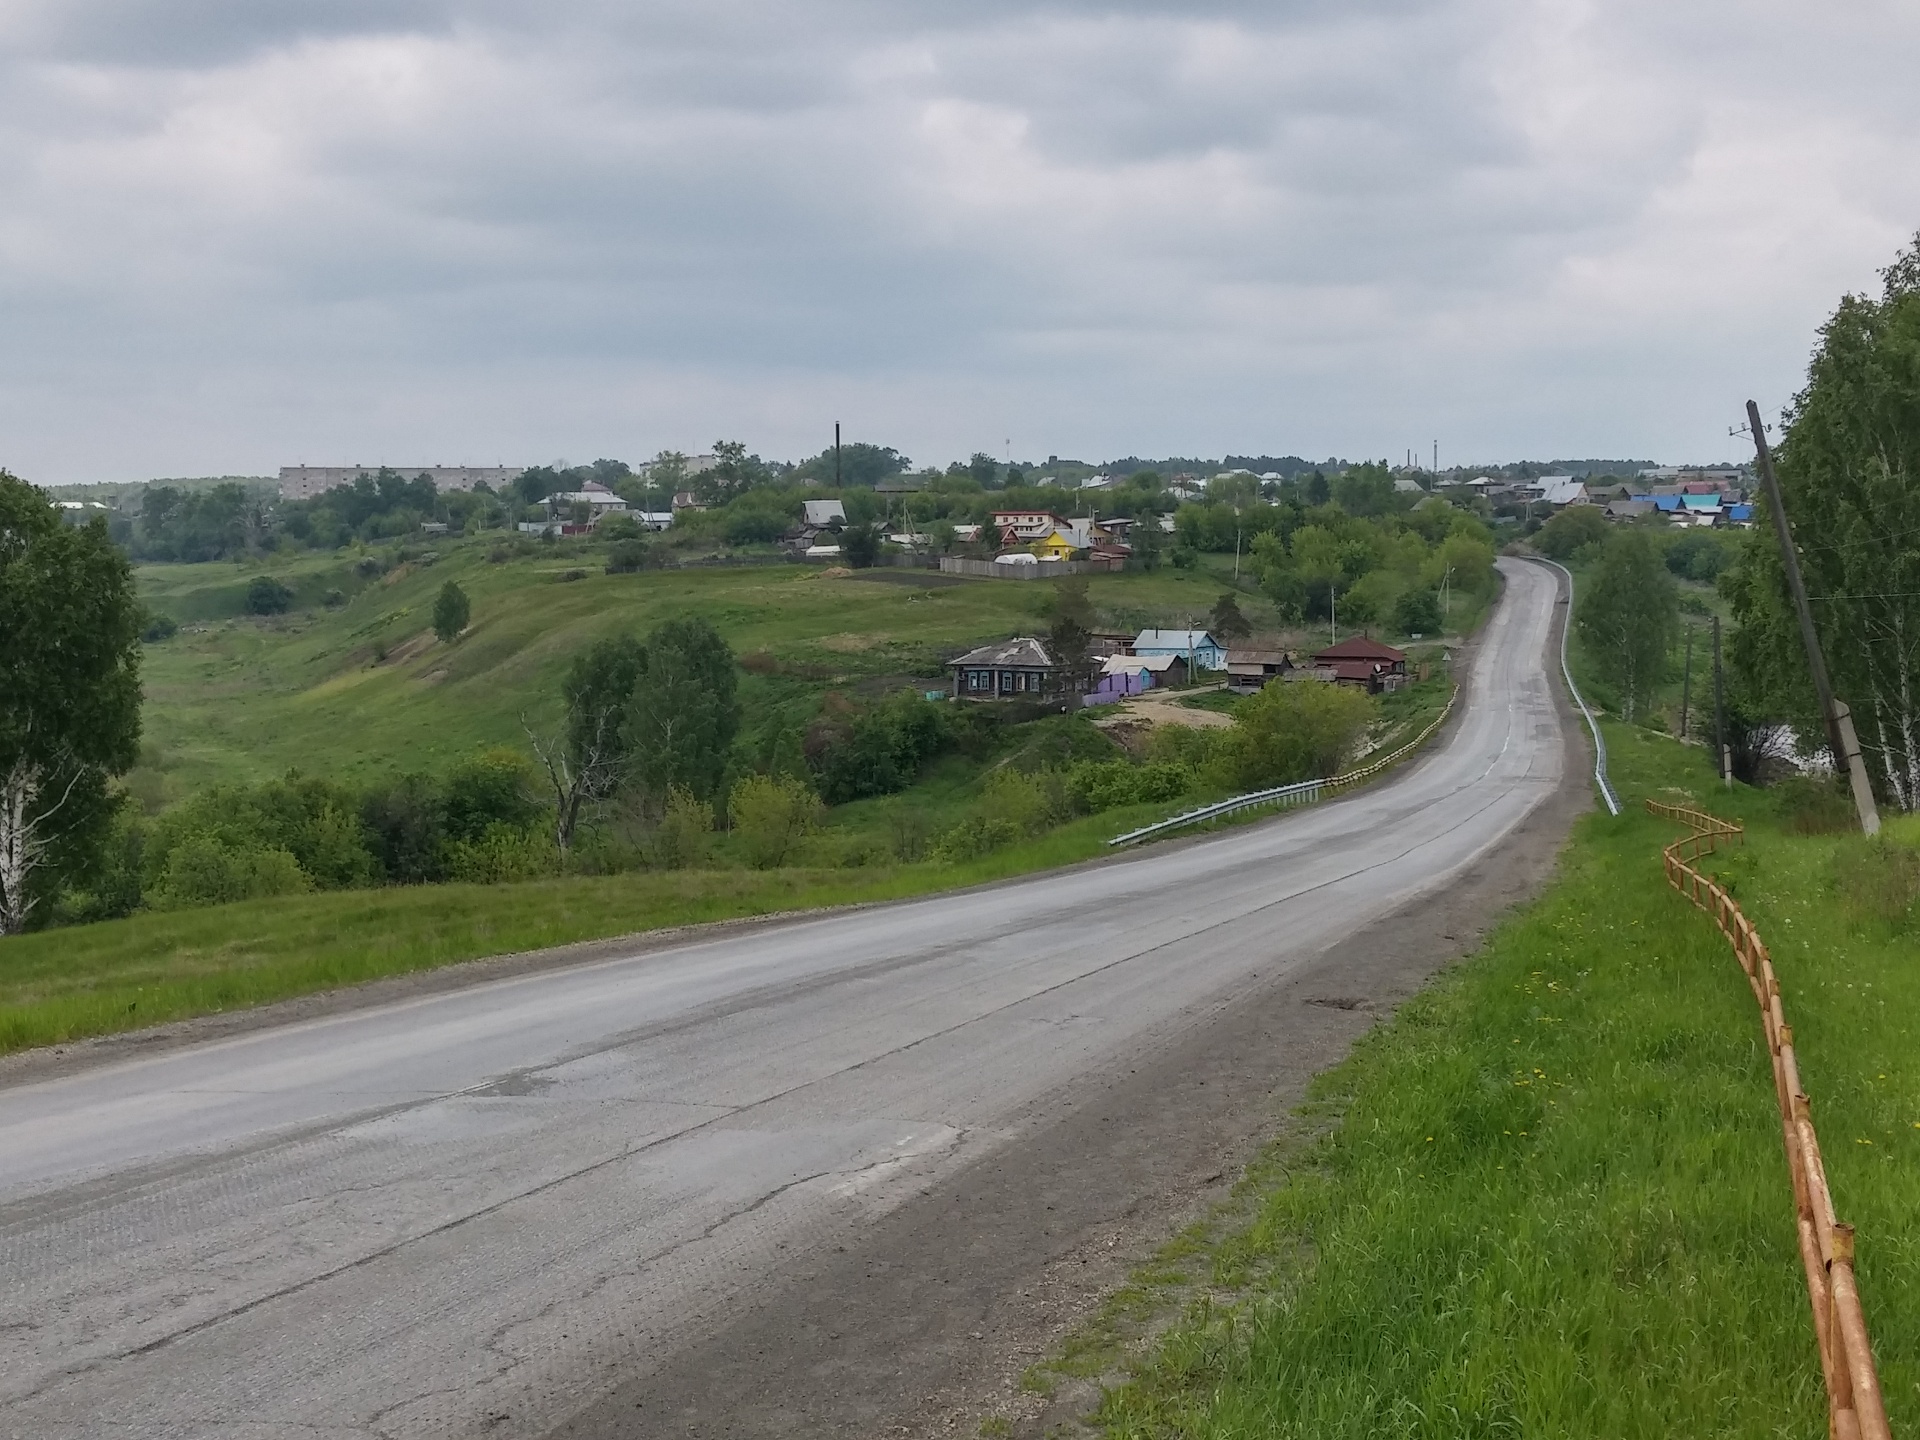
1555, 1203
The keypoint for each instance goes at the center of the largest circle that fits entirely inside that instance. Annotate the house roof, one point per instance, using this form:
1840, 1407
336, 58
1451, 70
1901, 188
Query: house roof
1739, 512
1181, 640
1134, 664
1359, 647
823, 512
1252, 656
1701, 502
1023, 652
1557, 489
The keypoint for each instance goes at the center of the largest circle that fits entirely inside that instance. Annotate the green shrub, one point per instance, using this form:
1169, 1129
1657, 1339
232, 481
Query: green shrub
1289, 732
502, 854
315, 822
685, 832
267, 596
202, 871
771, 815
493, 788
974, 837
158, 627
631, 555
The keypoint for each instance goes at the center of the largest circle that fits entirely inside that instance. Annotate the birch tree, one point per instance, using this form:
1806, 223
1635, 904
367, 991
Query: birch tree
69, 694
1849, 467
1627, 615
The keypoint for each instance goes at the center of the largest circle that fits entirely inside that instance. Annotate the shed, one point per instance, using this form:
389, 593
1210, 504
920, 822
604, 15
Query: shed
1250, 669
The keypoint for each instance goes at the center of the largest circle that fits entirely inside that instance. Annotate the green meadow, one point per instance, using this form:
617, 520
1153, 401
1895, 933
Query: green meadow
363, 688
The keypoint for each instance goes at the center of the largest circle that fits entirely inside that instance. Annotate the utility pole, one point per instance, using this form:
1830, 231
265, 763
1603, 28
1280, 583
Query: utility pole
836, 454
1686, 685
1842, 741
1333, 615
1722, 756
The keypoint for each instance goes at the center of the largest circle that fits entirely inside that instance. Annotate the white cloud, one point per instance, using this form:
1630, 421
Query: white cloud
234, 236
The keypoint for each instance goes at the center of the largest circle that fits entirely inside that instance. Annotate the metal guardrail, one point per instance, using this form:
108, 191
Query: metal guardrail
1303, 792
1599, 740
1855, 1408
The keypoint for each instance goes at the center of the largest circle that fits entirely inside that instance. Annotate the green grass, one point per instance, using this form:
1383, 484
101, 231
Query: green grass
243, 698
1549, 1198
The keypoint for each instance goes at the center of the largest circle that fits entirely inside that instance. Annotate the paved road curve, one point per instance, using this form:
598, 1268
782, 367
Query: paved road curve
466, 1214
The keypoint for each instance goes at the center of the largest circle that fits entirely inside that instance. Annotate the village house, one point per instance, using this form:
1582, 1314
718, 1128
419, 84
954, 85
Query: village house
1196, 646
1025, 527
1362, 662
1124, 675
586, 505
1017, 669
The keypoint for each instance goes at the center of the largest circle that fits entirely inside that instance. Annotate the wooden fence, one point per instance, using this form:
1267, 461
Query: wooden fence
1855, 1410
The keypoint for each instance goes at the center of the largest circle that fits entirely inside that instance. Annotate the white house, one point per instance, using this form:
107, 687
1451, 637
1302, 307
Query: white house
597, 497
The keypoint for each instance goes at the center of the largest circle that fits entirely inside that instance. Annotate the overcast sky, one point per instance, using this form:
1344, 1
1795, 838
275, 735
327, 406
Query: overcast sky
237, 234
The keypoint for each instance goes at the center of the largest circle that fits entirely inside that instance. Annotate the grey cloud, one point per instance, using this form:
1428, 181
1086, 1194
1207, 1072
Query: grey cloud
235, 228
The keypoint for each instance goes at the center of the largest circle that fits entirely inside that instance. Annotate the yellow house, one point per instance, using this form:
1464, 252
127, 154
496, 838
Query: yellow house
1057, 546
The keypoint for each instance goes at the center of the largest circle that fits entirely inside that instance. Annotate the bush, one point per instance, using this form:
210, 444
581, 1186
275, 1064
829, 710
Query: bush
855, 754
1107, 784
1292, 731
685, 832
490, 790
502, 854
751, 524
972, 838
313, 821
333, 599
158, 627
771, 815
202, 871
267, 596
628, 556
618, 527
405, 822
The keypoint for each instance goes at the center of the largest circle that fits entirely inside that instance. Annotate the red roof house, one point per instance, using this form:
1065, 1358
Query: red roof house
1363, 662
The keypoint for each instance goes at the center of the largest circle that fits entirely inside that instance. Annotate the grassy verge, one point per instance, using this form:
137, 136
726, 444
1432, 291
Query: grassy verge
1549, 1198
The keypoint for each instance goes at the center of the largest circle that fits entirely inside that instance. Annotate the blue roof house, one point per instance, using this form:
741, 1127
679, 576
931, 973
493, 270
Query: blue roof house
1205, 652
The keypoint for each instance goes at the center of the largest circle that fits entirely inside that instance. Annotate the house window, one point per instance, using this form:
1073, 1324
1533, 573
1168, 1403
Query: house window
1006, 682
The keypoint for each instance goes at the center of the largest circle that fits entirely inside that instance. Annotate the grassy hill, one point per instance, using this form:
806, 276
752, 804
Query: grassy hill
362, 687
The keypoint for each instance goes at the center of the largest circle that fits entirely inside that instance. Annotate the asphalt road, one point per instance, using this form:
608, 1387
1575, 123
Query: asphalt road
480, 1212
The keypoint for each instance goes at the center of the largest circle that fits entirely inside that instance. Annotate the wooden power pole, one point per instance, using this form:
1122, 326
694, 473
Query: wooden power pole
1722, 755
1841, 740
1686, 685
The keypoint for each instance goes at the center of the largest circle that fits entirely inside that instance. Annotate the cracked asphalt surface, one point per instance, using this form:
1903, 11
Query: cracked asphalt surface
563, 1201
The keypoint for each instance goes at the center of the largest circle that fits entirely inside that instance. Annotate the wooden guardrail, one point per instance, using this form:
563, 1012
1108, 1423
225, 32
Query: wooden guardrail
1855, 1410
